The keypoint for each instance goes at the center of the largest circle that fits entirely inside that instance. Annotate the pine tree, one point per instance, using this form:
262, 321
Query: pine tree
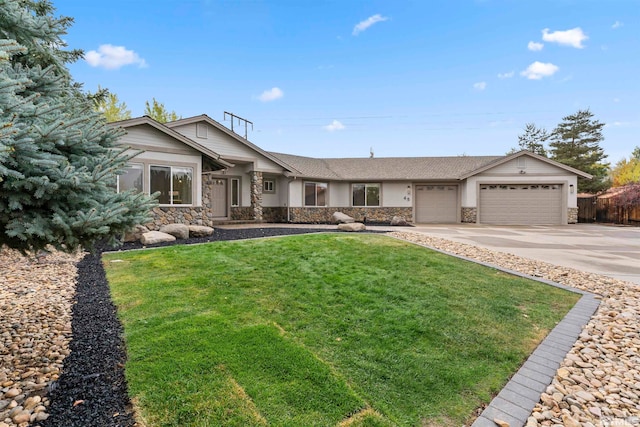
533, 139
158, 112
575, 142
58, 158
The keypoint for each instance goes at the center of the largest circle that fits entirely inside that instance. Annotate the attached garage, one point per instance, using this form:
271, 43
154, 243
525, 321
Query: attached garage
521, 204
436, 203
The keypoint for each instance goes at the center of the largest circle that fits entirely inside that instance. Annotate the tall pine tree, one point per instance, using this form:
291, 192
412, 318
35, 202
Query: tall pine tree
58, 158
533, 139
575, 142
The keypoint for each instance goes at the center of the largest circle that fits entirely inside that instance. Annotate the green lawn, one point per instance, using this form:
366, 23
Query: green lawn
321, 330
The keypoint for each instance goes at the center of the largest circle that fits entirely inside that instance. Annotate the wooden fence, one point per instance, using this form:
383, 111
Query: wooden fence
601, 209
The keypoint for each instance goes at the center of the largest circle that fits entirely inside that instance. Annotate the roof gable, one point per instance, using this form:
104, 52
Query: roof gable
234, 136
504, 159
146, 120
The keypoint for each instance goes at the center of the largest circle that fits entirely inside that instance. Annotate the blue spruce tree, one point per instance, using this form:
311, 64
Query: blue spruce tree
58, 158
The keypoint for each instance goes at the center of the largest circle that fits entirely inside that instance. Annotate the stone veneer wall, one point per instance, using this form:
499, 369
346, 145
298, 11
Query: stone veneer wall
469, 215
241, 213
572, 215
323, 215
277, 214
178, 215
256, 195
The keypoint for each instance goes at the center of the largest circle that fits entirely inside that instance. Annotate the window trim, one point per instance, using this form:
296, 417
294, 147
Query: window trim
366, 185
315, 183
171, 167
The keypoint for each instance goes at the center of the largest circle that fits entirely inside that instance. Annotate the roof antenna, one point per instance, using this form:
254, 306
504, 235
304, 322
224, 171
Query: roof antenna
371, 152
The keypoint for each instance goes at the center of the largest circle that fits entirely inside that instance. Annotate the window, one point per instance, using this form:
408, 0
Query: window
174, 183
269, 186
366, 194
315, 194
131, 179
235, 192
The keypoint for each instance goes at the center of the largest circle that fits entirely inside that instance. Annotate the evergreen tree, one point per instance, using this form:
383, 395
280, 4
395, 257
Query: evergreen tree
108, 104
575, 142
533, 139
58, 158
159, 113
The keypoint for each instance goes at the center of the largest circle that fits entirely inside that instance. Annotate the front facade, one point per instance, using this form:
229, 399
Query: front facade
206, 174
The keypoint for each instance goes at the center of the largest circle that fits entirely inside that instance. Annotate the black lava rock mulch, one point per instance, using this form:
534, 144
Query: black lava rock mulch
92, 390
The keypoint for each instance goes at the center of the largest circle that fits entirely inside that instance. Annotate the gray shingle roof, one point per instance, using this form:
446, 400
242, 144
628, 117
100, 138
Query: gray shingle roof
387, 168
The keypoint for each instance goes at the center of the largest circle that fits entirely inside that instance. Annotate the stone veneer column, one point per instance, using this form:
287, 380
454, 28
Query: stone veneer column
256, 195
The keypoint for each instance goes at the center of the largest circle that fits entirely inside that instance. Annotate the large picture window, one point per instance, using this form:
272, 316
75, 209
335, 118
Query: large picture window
315, 194
366, 194
131, 179
174, 183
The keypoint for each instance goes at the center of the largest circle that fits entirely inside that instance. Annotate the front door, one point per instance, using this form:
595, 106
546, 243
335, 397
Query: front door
219, 198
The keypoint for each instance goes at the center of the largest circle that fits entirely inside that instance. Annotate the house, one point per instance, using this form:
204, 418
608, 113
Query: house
206, 173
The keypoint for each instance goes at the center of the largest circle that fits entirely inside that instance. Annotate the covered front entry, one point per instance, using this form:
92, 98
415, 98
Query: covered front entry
219, 198
521, 204
436, 203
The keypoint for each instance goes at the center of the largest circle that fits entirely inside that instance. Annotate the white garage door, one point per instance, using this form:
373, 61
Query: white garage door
437, 203
521, 204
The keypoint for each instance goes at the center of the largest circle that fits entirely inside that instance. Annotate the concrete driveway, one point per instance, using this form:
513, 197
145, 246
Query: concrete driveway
609, 250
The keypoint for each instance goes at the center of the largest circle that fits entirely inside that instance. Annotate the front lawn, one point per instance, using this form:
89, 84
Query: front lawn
321, 330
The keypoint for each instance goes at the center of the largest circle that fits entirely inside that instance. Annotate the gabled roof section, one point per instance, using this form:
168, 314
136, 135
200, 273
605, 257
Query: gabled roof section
386, 168
238, 138
505, 159
146, 120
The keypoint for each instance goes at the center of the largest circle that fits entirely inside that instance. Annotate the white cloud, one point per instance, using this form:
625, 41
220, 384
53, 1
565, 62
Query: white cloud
363, 25
506, 75
617, 25
334, 126
573, 37
616, 100
113, 57
480, 86
271, 94
538, 70
535, 46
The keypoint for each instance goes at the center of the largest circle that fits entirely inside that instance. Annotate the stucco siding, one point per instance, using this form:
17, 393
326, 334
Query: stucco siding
397, 194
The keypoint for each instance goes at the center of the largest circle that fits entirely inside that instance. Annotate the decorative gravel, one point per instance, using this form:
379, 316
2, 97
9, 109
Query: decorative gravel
42, 301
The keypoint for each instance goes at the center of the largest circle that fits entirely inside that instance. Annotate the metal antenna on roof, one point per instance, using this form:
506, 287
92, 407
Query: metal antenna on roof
233, 116
371, 152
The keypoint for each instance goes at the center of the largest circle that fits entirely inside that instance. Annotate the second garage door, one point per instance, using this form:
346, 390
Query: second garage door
436, 203
521, 204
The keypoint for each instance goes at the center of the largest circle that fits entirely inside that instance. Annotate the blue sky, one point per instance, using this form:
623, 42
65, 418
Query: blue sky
336, 78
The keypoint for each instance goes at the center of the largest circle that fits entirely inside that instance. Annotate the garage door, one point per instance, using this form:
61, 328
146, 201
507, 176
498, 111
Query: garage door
521, 204
437, 203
